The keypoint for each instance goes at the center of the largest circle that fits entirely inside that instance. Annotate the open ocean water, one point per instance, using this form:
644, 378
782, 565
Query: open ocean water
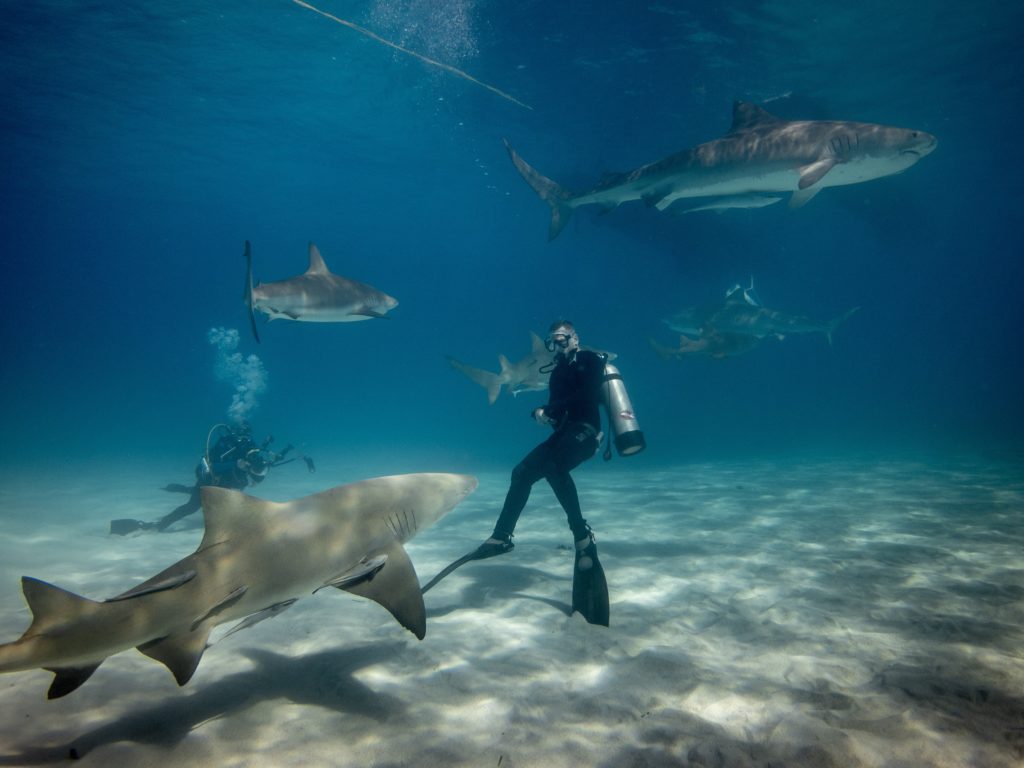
816, 562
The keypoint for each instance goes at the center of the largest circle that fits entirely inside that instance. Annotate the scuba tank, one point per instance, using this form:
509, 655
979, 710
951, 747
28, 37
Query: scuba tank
628, 437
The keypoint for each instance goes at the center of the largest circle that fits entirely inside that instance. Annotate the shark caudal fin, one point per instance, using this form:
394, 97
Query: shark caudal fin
489, 381
247, 294
833, 324
550, 192
53, 608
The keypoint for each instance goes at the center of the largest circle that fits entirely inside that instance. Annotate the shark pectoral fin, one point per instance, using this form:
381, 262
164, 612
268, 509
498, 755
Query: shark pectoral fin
289, 315
180, 653
802, 196
813, 173
397, 588
68, 679
364, 570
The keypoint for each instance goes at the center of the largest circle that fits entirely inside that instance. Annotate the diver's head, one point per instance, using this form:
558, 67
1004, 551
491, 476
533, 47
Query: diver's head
562, 339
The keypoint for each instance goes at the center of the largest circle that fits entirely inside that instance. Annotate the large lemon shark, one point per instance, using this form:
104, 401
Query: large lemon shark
758, 160
256, 558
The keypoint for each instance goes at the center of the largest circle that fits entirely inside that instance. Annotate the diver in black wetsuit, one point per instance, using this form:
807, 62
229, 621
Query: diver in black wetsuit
234, 461
576, 389
573, 412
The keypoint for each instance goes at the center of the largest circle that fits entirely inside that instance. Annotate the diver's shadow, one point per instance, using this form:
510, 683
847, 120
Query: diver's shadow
321, 679
493, 581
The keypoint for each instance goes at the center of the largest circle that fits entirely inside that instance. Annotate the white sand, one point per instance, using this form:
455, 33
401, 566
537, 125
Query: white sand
828, 614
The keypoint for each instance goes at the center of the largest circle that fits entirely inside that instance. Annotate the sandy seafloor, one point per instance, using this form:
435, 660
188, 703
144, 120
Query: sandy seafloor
859, 612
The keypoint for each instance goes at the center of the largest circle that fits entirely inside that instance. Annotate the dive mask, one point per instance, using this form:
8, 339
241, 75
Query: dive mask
557, 342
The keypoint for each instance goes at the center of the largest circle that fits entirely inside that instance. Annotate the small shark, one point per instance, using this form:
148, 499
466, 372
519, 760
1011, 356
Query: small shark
256, 558
316, 296
740, 313
526, 375
760, 157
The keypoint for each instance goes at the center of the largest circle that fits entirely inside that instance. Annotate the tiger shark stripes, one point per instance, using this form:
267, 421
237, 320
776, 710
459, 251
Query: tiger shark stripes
316, 296
761, 157
256, 558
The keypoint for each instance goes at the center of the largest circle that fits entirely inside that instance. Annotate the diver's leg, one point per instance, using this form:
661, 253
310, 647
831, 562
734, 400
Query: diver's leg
526, 473
568, 453
192, 505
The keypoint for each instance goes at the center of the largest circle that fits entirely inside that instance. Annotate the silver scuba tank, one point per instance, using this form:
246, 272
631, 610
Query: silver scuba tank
628, 437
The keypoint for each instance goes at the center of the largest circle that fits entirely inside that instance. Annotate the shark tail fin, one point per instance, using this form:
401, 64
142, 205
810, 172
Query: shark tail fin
551, 192
489, 381
833, 324
247, 295
53, 607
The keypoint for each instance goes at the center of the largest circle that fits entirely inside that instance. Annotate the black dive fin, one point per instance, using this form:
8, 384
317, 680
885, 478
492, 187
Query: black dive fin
480, 553
68, 679
589, 587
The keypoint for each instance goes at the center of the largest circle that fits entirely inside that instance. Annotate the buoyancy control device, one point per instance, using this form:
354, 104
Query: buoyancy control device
622, 420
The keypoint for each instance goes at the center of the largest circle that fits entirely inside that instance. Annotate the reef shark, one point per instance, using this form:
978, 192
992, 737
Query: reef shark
761, 156
526, 375
316, 296
256, 558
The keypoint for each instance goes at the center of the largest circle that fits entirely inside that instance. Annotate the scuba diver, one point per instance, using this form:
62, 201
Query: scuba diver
234, 461
576, 389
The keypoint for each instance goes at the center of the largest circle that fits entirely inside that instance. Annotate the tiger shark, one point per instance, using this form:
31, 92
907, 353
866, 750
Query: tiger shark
761, 157
316, 296
256, 558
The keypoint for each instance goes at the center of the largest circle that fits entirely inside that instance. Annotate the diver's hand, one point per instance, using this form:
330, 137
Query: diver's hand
542, 418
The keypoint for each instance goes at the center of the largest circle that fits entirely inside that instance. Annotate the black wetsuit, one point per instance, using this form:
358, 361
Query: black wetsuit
574, 397
223, 472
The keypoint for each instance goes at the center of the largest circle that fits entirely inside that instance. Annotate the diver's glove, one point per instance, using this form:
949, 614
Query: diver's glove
542, 418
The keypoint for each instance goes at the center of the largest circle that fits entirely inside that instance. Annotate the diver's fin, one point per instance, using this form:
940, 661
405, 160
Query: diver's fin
126, 525
589, 587
482, 552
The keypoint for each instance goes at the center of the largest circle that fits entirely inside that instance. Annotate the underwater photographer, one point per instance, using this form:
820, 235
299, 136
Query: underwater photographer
233, 461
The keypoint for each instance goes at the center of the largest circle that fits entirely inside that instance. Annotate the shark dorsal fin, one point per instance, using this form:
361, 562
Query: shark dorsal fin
746, 116
537, 345
229, 514
316, 262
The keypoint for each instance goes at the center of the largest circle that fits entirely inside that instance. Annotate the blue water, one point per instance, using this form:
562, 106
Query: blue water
142, 144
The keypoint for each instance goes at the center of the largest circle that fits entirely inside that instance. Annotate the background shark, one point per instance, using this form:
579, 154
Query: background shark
316, 296
256, 558
527, 375
522, 376
761, 155
741, 314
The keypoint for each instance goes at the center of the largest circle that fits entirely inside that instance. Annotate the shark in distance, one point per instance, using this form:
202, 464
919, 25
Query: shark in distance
256, 558
529, 374
316, 296
761, 157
